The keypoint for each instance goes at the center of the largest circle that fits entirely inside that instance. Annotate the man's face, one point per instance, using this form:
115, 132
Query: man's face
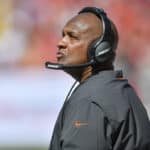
77, 34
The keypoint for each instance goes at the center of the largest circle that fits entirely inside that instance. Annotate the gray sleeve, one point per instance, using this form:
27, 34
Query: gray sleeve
131, 134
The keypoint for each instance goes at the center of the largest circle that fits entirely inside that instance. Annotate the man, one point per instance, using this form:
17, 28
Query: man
102, 112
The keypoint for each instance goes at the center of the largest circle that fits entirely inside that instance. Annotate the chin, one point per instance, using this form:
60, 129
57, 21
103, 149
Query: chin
62, 62
76, 73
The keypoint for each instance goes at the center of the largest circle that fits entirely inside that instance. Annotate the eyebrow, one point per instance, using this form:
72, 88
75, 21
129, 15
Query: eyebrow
69, 32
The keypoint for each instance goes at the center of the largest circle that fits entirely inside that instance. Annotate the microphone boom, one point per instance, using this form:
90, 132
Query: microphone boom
57, 66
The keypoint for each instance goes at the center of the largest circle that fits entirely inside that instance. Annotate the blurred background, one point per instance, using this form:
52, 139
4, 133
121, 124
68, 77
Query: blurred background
30, 95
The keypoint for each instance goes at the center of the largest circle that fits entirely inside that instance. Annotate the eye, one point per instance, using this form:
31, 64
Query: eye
73, 36
63, 34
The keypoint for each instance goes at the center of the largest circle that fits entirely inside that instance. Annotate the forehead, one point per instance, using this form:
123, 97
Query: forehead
83, 22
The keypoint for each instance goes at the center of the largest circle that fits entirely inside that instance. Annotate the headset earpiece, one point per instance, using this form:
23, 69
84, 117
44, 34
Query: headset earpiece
99, 51
102, 51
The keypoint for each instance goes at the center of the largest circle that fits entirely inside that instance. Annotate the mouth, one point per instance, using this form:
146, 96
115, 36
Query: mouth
60, 55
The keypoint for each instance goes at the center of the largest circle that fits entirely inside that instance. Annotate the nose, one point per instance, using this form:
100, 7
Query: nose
62, 43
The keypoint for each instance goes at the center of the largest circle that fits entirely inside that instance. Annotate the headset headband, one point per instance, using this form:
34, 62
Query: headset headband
101, 14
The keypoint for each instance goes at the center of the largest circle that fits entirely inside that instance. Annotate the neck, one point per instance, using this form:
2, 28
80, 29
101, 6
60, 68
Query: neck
86, 73
80, 74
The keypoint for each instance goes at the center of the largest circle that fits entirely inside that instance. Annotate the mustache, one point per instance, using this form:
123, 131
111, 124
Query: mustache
63, 52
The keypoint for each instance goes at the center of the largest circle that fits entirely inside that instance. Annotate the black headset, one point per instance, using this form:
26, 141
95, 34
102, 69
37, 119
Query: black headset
100, 50
102, 47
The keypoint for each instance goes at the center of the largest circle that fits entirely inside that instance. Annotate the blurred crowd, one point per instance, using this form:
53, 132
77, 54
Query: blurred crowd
30, 30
